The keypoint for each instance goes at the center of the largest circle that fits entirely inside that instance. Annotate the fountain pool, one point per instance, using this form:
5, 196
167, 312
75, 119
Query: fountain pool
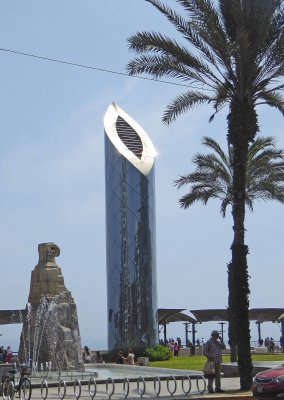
101, 372
115, 371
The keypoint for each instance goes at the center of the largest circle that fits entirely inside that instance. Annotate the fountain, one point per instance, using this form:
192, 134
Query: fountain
50, 338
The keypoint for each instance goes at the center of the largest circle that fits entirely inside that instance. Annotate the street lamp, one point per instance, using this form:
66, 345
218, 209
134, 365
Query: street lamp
222, 328
258, 331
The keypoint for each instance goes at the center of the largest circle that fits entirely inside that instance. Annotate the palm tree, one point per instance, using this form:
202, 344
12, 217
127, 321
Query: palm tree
213, 175
213, 179
231, 54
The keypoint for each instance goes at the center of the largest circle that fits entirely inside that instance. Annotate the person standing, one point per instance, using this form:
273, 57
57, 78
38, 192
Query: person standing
86, 355
271, 345
9, 355
2, 358
120, 359
99, 358
130, 357
282, 343
213, 352
176, 349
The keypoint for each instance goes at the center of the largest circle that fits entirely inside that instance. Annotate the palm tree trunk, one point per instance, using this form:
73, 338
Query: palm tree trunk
242, 128
231, 332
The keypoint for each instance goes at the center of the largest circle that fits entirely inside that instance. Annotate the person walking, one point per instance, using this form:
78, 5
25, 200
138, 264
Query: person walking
213, 352
271, 345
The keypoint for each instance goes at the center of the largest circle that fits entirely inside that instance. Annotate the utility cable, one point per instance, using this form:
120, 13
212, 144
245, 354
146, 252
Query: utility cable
91, 67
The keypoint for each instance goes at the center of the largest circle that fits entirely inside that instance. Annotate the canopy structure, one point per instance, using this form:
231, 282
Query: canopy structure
259, 315
210, 315
266, 314
173, 315
8, 317
167, 315
255, 314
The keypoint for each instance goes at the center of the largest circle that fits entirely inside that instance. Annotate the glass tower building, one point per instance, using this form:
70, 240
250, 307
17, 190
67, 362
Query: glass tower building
130, 233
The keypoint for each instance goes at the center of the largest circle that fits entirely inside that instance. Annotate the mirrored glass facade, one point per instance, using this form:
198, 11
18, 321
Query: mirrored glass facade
130, 251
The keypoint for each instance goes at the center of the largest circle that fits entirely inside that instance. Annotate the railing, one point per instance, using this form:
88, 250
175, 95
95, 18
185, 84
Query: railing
167, 386
111, 385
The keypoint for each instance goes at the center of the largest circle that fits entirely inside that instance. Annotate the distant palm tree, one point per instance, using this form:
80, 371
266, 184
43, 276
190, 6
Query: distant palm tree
213, 175
231, 53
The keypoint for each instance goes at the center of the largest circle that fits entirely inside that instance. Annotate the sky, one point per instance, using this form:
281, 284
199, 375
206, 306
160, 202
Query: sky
52, 168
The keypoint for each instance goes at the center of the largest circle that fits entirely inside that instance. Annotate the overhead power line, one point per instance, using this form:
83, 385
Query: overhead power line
91, 67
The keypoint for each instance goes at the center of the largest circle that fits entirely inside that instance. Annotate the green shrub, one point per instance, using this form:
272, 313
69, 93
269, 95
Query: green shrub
158, 353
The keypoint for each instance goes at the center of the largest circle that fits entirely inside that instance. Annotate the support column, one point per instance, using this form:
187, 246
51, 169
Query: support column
186, 333
258, 330
165, 331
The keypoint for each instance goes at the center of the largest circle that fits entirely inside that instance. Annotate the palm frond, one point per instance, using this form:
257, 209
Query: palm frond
213, 175
273, 99
158, 66
212, 166
182, 26
260, 144
212, 144
183, 103
169, 52
205, 19
224, 204
198, 194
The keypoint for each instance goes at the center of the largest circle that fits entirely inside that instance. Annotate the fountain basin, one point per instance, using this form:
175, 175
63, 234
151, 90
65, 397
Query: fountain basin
102, 372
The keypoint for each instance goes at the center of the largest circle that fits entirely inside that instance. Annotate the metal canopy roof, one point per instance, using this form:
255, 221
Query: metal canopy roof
173, 315
266, 314
8, 317
210, 315
179, 317
255, 314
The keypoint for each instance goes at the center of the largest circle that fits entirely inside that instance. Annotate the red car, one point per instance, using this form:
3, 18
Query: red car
269, 384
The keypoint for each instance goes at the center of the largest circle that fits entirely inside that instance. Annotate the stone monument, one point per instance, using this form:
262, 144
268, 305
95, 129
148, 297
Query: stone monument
50, 337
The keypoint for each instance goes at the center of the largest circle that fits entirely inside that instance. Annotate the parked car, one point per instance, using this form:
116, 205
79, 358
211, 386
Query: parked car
269, 384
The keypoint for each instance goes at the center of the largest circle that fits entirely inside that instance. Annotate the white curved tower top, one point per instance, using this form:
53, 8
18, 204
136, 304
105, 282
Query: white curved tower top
129, 139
